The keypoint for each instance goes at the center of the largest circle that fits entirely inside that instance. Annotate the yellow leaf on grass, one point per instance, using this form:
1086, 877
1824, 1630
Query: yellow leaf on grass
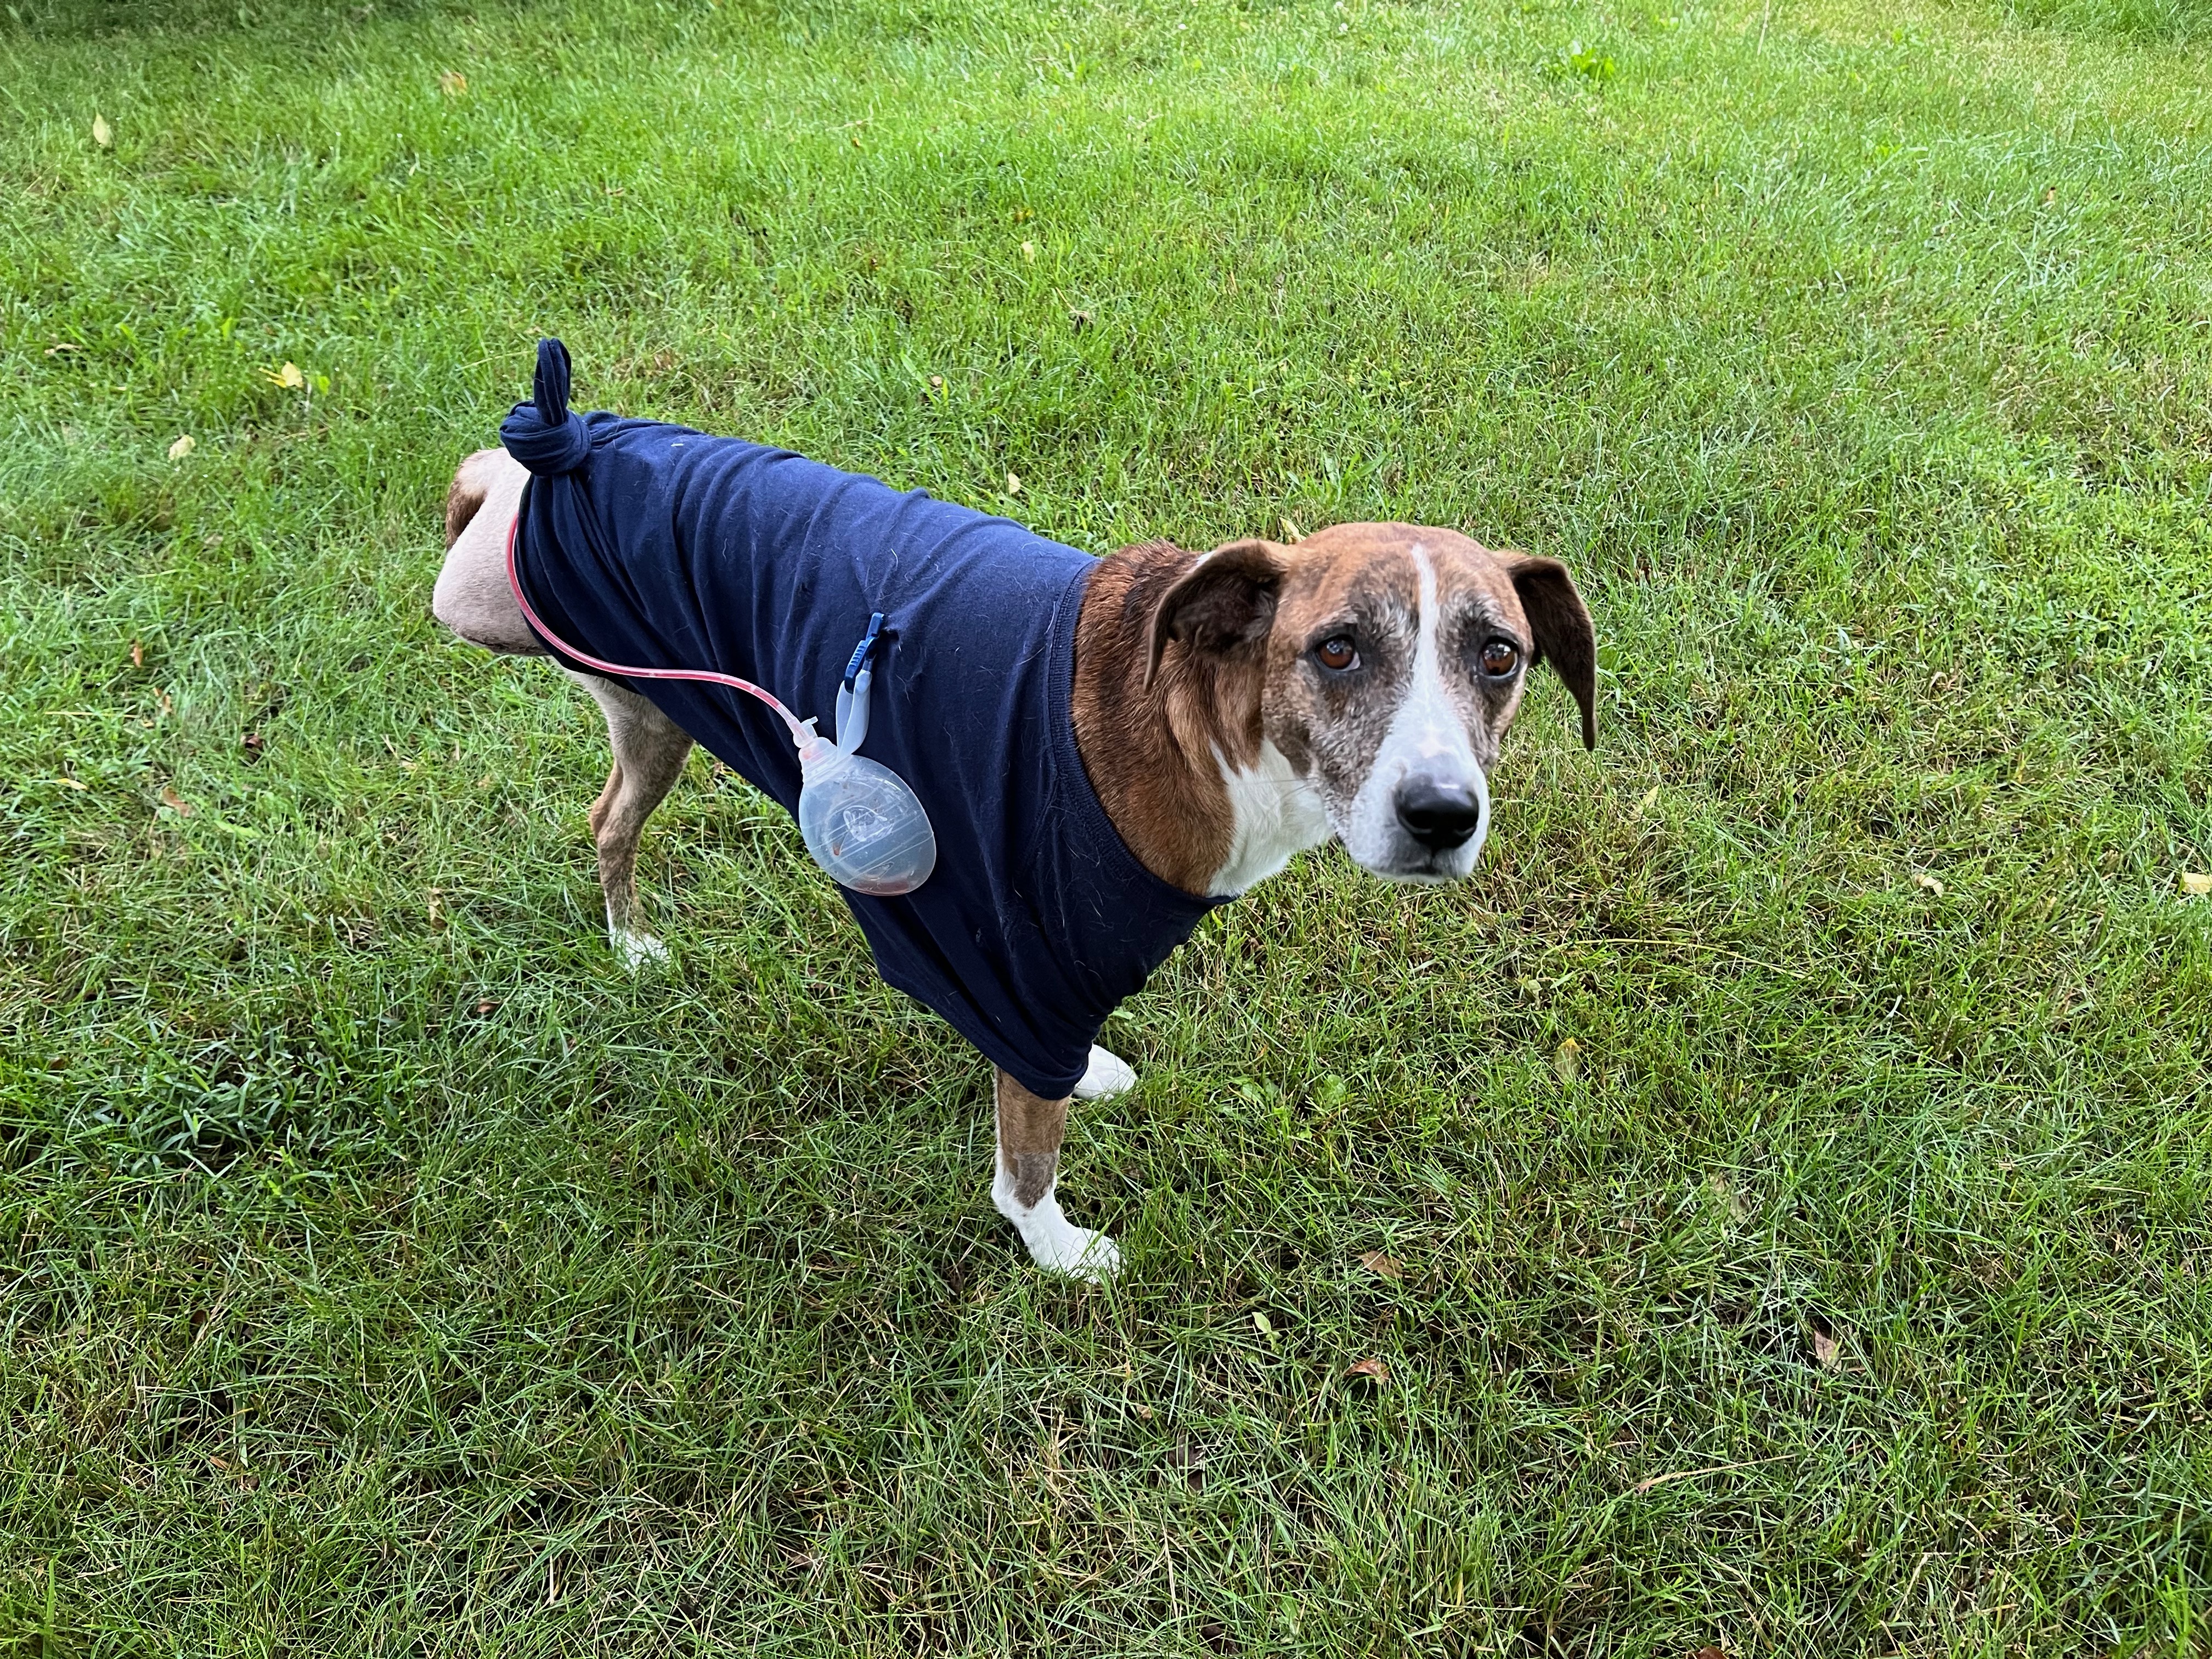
1567, 1062
1291, 534
1926, 883
102, 134
71, 783
1260, 1324
1382, 1266
175, 802
2195, 884
1029, 251
288, 377
1651, 800
184, 447
1827, 1348
138, 654
452, 83
1014, 483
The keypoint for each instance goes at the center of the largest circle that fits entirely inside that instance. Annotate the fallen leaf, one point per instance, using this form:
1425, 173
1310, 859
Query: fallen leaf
60, 347
1651, 800
1029, 252
254, 744
218, 1462
1926, 883
1145, 1411
1719, 1186
138, 654
1709, 1652
1380, 1265
1291, 534
2195, 884
184, 445
162, 701
487, 1005
1080, 318
1374, 1367
1827, 1349
71, 783
1014, 483
1260, 1324
102, 134
175, 802
288, 377
1567, 1062
436, 906
452, 83
937, 383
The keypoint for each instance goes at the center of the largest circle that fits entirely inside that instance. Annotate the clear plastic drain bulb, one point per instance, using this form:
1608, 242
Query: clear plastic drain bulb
859, 819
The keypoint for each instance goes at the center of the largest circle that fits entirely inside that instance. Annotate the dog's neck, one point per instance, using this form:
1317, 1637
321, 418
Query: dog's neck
1182, 767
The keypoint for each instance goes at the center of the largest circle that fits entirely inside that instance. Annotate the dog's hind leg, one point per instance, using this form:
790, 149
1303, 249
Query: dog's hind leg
472, 597
649, 751
1030, 1129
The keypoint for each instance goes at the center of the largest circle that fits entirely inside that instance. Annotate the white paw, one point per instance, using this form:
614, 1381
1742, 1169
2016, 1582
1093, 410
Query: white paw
1078, 1253
1106, 1075
1057, 1244
635, 950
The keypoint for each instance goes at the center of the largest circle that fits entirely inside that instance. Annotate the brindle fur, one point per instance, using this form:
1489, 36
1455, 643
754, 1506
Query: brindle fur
1030, 1129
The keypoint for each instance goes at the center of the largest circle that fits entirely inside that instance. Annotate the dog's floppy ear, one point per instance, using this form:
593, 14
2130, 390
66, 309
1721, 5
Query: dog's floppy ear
1226, 600
1561, 623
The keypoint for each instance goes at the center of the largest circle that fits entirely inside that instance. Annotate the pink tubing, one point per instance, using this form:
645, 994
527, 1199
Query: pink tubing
798, 733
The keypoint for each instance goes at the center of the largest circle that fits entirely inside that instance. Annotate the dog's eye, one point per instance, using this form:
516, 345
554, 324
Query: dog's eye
1500, 658
1337, 654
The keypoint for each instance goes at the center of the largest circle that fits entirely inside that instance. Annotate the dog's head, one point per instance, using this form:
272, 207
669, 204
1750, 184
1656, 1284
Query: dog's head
1383, 663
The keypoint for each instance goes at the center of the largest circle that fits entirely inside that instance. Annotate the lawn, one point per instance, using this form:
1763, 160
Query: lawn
1787, 1162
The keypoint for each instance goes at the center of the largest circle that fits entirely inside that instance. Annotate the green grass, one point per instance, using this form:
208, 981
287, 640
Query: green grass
382, 1271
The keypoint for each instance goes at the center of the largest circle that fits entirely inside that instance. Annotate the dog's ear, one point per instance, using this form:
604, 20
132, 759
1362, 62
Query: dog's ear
1224, 600
1561, 623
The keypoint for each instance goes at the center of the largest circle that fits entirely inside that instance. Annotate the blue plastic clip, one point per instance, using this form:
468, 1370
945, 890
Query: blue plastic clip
861, 651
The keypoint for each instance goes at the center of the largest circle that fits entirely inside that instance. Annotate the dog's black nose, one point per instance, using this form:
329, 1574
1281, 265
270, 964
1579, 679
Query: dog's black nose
1439, 816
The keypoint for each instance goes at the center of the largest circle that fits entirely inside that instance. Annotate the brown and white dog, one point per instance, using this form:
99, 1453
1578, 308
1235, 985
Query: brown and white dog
1232, 709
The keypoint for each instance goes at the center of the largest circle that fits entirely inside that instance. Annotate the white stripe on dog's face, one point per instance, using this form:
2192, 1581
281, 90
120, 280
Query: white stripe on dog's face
1427, 742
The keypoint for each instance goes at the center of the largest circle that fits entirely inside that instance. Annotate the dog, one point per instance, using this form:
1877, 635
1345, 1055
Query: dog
1106, 748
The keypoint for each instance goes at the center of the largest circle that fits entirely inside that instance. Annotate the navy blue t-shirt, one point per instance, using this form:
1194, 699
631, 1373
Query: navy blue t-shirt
658, 547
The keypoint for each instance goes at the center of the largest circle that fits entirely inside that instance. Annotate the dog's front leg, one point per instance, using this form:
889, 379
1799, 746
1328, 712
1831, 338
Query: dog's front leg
1030, 1129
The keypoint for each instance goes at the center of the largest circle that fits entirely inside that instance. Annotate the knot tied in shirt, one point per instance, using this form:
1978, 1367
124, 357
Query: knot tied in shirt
542, 433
